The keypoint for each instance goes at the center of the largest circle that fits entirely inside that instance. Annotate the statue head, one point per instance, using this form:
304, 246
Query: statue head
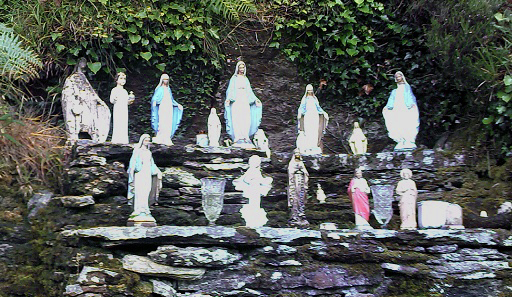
144, 141
213, 110
356, 125
296, 154
80, 65
164, 80
240, 68
406, 173
254, 161
400, 78
121, 78
309, 90
358, 172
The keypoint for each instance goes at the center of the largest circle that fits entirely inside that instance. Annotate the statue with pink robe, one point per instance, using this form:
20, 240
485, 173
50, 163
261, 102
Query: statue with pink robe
358, 191
406, 188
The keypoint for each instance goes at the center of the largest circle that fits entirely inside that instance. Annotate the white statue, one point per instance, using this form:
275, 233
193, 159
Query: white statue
320, 195
144, 183
242, 109
83, 109
406, 188
313, 120
214, 128
401, 115
358, 142
261, 142
253, 185
166, 113
120, 98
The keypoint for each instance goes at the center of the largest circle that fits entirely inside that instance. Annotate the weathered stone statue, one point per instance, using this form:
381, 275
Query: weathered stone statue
297, 191
358, 142
144, 183
312, 120
83, 109
243, 110
406, 188
358, 191
253, 185
120, 98
401, 115
166, 113
261, 142
214, 128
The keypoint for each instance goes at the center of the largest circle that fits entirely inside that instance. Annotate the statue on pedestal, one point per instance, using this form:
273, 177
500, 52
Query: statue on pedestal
144, 183
312, 120
214, 128
253, 185
358, 142
297, 191
166, 113
401, 115
406, 188
83, 109
243, 110
358, 191
120, 98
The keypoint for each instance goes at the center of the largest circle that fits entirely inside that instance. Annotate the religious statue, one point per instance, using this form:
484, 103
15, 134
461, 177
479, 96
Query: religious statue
243, 110
166, 113
144, 183
358, 191
83, 109
358, 142
261, 142
312, 120
253, 185
406, 188
214, 128
297, 190
120, 98
401, 115
320, 194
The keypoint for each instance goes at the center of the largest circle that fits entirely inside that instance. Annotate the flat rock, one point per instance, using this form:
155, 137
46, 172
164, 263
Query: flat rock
194, 256
77, 201
144, 265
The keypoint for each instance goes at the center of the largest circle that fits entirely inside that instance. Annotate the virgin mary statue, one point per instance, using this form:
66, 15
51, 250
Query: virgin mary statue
166, 113
243, 110
312, 122
401, 115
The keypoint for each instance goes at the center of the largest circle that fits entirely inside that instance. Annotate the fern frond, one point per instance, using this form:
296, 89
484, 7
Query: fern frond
231, 9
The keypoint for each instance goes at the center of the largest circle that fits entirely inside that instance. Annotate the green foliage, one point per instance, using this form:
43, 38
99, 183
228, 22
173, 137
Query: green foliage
231, 9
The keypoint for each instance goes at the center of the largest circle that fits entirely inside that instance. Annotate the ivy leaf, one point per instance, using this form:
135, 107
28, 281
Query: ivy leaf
94, 67
146, 55
487, 121
507, 80
119, 55
60, 47
134, 38
499, 17
161, 67
352, 51
178, 33
359, 2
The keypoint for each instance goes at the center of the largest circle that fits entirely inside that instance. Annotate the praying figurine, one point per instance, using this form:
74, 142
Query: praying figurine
406, 188
214, 128
144, 184
401, 115
242, 109
358, 142
83, 109
120, 98
166, 113
358, 191
312, 120
253, 185
261, 142
297, 191
320, 195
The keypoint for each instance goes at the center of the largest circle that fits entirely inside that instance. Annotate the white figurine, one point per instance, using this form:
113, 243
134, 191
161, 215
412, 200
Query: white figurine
320, 195
312, 120
120, 98
406, 188
261, 142
214, 128
358, 142
253, 185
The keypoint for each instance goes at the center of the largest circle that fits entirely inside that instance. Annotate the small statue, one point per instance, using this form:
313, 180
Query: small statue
312, 120
261, 142
166, 113
242, 109
214, 128
202, 139
144, 183
401, 115
406, 188
320, 195
358, 142
358, 191
83, 109
253, 185
120, 98
297, 191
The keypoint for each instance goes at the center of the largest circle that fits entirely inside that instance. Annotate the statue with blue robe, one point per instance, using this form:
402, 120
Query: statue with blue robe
144, 184
166, 113
242, 109
312, 122
401, 115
